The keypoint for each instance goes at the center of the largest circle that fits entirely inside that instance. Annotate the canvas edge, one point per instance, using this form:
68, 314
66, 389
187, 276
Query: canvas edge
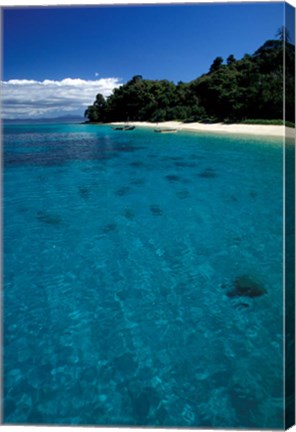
289, 239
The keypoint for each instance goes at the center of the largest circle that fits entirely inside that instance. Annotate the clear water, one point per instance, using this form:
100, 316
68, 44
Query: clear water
119, 251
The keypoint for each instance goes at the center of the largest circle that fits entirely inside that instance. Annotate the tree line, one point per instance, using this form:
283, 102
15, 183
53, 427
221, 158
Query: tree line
231, 91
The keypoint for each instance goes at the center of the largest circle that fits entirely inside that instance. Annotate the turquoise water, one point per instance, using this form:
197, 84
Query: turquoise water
119, 251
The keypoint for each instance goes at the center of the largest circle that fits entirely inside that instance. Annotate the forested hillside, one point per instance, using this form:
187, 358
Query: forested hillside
232, 91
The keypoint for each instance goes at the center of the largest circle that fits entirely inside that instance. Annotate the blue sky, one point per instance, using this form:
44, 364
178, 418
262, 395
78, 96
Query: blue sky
177, 42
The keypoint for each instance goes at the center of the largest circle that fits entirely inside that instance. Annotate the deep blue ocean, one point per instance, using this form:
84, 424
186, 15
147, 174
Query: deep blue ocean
122, 252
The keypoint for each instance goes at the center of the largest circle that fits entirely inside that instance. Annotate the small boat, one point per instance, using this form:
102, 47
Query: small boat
124, 128
167, 130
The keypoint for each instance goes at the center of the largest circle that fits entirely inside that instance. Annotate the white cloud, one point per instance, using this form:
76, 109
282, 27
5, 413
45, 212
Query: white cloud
22, 98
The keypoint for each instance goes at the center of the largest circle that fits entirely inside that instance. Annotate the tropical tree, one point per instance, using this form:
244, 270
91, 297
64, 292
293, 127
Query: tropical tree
249, 88
283, 34
230, 60
216, 65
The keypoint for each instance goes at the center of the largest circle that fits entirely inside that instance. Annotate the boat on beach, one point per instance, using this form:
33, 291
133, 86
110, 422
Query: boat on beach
128, 128
166, 130
125, 127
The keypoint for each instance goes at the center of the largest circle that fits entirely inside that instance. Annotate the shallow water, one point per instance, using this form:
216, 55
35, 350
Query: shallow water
119, 251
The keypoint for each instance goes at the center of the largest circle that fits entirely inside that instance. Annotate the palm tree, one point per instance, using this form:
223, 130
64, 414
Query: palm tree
283, 34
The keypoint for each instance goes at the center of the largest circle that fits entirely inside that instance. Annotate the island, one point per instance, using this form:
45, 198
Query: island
245, 91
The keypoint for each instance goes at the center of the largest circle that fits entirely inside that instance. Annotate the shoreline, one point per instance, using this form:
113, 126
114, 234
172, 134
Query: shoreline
239, 129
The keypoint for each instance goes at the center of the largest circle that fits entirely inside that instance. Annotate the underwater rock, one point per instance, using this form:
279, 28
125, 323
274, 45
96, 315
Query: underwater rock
129, 214
246, 286
244, 404
88, 375
194, 156
122, 191
173, 158
156, 210
183, 194
139, 181
106, 229
240, 306
128, 148
49, 218
84, 192
143, 402
141, 406
137, 164
122, 294
9, 406
125, 363
161, 415
237, 240
173, 178
185, 164
208, 173
23, 209
35, 417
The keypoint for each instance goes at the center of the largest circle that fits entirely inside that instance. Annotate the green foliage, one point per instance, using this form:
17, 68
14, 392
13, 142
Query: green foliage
97, 111
279, 122
216, 65
249, 88
230, 60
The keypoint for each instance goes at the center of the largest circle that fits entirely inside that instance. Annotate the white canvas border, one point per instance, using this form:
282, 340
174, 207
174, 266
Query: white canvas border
26, 3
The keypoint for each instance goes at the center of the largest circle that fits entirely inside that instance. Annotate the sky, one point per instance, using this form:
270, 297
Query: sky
56, 59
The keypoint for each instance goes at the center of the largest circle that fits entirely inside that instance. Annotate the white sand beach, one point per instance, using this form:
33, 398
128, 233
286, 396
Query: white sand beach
241, 129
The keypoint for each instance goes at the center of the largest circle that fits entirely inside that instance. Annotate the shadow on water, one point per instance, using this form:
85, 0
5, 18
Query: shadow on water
58, 153
49, 218
208, 173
